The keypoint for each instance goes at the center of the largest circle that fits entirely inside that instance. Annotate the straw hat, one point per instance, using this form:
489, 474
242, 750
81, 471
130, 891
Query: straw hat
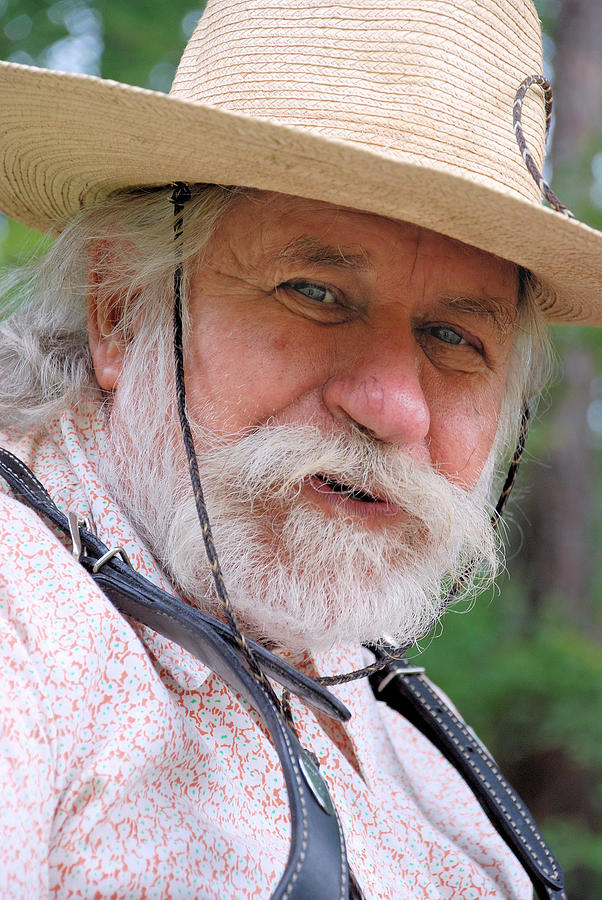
401, 108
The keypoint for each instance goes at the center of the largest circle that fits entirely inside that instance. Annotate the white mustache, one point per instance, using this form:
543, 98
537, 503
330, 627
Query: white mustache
275, 461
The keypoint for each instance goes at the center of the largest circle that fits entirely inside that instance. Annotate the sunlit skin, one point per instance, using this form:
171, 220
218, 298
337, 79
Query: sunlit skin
303, 312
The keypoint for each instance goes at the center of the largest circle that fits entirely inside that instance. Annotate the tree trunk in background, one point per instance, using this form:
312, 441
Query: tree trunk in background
558, 560
558, 557
578, 78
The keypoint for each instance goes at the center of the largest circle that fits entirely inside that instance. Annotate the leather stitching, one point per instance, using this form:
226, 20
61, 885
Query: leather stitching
295, 768
293, 761
554, 873
27, 476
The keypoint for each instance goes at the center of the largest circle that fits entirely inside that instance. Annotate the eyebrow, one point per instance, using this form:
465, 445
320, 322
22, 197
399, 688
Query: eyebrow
492, 308
306, 249
311, 250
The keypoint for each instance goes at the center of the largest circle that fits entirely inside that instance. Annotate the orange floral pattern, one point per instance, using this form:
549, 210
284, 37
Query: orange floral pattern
128, 770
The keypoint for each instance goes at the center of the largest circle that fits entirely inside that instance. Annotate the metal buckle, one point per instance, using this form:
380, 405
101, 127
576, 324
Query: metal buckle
75, 523
109, 555
398, 670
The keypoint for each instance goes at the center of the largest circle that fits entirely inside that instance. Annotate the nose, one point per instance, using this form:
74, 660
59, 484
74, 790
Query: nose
380, 390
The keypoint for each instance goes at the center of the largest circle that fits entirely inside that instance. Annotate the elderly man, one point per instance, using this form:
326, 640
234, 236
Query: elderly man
358, 320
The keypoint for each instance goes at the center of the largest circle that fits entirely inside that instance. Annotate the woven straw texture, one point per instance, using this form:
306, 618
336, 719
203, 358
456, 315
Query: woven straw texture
402, 108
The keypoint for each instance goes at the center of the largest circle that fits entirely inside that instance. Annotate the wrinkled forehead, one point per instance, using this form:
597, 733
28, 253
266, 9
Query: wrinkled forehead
265, 229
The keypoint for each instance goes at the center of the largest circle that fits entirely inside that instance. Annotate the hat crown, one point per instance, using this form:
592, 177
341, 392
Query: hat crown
430, 82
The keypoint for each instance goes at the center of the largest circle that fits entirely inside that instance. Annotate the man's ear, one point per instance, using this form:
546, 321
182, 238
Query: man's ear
107, 344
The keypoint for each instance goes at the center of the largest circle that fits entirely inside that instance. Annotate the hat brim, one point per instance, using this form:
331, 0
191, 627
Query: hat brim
68, 140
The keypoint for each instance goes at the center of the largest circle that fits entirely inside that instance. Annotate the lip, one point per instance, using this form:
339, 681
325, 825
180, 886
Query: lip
334, 501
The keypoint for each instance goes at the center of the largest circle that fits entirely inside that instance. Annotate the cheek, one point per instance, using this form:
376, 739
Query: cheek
240, 373
463, 428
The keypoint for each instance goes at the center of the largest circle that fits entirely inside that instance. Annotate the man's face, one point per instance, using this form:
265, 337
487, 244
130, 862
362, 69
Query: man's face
344, 379
307, 313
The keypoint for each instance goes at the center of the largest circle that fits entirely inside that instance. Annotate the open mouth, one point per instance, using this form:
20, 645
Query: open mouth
346, 491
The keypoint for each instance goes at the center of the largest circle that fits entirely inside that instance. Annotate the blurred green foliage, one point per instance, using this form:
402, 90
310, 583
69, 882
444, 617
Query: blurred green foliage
529, 681
139, 42
533, 695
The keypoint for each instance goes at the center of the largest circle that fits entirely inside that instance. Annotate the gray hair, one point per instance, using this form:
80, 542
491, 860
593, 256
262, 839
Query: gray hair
45, 364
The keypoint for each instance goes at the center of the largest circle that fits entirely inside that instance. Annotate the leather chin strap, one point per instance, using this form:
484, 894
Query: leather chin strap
317, 866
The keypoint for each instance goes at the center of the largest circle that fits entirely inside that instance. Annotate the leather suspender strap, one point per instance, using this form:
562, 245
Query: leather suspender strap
115, 577
317, 864
404, 689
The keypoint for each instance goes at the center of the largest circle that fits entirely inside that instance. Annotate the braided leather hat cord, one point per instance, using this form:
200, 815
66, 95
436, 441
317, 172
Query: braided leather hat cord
517, 109
180, 195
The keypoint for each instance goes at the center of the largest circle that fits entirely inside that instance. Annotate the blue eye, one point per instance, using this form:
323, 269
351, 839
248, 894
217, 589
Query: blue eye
313, 291
448, 335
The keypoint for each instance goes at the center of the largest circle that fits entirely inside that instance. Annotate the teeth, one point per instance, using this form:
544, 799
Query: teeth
339, 488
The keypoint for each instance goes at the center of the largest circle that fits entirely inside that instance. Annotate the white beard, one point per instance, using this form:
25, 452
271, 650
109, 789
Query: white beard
297, 577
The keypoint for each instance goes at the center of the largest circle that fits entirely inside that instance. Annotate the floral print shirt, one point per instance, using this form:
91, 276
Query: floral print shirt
129, 770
